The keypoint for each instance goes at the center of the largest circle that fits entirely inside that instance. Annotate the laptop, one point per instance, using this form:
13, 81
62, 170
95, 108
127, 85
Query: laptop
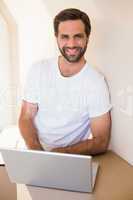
51, 170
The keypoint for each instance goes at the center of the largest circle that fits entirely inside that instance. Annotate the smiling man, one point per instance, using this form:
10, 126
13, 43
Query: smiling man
65, 99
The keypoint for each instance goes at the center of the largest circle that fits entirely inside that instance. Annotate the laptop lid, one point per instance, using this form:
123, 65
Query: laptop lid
49, 169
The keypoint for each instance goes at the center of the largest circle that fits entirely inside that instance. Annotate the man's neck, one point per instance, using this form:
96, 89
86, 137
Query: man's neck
69, 69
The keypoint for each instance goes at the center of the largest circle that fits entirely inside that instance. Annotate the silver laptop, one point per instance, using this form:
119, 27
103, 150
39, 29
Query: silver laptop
51, 170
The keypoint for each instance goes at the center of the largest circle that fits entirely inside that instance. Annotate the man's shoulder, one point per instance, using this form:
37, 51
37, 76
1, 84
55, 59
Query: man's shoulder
43, 65
44, 62
94, 74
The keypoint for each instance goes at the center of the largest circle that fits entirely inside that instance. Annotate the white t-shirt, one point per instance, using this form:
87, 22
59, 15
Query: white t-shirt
66, 104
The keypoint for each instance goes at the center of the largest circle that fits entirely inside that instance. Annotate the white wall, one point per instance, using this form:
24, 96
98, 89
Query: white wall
109, 49
35, 32
112, 52
5, 79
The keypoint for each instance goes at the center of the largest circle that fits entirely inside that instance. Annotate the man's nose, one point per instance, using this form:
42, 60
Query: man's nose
71, 42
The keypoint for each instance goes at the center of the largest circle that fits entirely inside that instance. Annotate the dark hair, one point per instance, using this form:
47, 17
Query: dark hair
72, 14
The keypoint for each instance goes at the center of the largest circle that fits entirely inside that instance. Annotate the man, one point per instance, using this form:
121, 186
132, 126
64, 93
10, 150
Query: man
65, 99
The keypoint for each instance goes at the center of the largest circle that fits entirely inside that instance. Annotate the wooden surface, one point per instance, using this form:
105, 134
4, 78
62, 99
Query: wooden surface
114, 182
7, 189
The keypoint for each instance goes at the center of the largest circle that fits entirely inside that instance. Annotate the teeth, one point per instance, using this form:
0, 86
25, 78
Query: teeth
71, 50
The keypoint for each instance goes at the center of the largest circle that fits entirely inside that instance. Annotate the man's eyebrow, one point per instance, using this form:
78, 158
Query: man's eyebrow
63, 34
76, 35
79, 35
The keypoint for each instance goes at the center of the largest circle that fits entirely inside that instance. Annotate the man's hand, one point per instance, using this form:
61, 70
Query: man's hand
60, 150
78, 148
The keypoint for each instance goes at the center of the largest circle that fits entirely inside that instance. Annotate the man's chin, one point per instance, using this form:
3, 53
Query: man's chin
72, 59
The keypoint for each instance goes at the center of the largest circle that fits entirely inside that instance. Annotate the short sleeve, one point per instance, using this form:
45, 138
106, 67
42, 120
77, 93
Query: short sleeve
100, 102
31, 86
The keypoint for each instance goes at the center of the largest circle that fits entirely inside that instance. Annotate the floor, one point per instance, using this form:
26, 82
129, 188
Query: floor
7, 189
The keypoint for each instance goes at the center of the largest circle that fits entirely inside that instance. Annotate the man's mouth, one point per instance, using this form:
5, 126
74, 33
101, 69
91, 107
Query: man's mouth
72, 51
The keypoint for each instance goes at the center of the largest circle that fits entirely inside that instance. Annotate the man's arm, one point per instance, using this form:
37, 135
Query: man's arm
100, 128
27, 126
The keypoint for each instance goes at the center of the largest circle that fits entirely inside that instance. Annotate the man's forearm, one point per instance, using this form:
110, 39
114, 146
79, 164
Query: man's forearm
89, 146
29, 133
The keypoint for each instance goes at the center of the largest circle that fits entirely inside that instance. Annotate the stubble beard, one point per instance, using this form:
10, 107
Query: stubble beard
73, 58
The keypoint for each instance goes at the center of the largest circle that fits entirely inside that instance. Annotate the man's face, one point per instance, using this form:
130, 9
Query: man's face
72, 40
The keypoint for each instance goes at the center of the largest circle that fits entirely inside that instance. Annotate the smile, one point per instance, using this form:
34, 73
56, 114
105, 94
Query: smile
72, 51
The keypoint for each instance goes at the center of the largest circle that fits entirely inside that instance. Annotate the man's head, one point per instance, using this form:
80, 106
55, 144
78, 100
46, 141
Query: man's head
72, 29
72, 14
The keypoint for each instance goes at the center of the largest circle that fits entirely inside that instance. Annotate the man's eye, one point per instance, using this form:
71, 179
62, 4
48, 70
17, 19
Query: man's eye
79, 36
64, 37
